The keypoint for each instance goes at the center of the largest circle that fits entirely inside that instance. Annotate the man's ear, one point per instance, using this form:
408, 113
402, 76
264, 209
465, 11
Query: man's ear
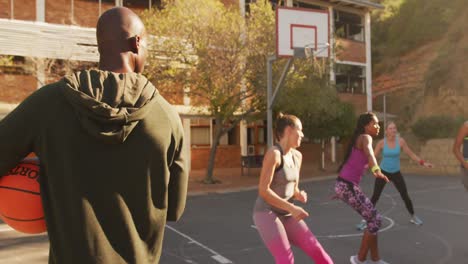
135, 43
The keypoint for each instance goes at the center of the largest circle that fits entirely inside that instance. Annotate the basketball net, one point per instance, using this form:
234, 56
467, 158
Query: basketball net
311, 54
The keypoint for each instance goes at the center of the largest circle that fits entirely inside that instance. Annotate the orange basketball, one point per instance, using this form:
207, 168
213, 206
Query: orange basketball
20, 198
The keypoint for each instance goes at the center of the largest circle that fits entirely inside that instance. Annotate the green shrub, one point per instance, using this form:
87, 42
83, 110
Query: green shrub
405, 25
436, 127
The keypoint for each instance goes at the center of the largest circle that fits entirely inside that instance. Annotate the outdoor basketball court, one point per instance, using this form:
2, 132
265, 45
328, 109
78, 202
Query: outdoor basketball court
218, 228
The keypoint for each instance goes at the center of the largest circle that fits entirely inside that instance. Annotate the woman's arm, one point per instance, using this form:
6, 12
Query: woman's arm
412, 155
299, 195
369, 151
462, 133
271, 160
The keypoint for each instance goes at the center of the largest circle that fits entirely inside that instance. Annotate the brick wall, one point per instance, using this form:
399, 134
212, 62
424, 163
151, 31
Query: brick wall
311, 152
173, 93
15, 88
4, 8
439, 153
86, 12
23, 9
358, 100
226, 157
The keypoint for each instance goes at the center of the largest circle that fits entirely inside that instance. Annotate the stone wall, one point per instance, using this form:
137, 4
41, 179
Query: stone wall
439, 153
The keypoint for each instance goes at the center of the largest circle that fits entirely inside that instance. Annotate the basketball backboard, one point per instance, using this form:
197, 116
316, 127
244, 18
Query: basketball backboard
300, 31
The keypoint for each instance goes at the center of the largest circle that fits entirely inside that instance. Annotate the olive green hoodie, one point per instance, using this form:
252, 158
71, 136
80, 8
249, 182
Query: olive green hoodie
112, 165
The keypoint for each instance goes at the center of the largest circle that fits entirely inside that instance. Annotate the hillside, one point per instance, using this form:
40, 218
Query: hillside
420, 59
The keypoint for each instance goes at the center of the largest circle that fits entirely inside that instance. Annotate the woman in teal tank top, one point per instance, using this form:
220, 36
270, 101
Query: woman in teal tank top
462, 157
390, 147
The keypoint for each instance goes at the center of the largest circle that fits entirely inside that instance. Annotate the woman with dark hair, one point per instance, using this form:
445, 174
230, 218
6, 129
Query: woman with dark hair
279, 221
390, 147
358, 157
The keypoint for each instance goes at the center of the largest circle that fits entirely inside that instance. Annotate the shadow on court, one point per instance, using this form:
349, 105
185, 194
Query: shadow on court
218, 228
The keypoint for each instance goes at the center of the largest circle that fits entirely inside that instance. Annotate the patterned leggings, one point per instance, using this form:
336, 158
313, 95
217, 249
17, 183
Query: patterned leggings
360, 203
278, 232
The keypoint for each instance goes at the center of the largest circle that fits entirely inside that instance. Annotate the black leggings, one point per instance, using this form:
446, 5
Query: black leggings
399, 183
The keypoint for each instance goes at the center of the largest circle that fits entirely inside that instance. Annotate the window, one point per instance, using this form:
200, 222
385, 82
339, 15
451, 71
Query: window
256, 133
200, 131
349, 26
230, 138
200, 135
350, 79
233, 136
250, 135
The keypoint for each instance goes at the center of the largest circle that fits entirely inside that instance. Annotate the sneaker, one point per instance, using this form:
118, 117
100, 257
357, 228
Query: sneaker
362, 225
378, 262
355, 260
415, 220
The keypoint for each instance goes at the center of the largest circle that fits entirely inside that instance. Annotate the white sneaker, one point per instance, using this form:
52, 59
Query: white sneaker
355, 260
415, 220
362, 225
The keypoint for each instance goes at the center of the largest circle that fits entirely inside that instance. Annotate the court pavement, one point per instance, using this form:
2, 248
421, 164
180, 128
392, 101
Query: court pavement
218, 227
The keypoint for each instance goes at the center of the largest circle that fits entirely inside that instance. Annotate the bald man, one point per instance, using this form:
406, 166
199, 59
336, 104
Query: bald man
111, 153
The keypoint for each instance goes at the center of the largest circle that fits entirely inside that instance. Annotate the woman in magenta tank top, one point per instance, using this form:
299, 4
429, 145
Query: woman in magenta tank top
279, 221
358, 157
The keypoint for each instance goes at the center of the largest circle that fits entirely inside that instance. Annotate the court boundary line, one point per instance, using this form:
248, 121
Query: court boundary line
392, 223
216, 256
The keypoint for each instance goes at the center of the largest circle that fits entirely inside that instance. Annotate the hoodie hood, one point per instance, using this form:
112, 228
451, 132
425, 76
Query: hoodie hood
109, 105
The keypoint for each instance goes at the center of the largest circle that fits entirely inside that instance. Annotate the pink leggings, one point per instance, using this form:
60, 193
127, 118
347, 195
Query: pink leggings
279, 232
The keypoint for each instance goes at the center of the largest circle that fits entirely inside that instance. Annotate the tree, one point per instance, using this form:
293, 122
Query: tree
6, 61
216, 54
309, 95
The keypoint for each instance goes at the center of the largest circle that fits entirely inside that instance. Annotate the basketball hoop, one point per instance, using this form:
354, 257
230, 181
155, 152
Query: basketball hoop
309, 51
306, 29
300, 33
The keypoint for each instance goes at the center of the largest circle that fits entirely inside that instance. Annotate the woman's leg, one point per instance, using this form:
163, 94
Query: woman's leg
274, 236
400, 185
379, 185
464, 175
362, 205
301, 236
